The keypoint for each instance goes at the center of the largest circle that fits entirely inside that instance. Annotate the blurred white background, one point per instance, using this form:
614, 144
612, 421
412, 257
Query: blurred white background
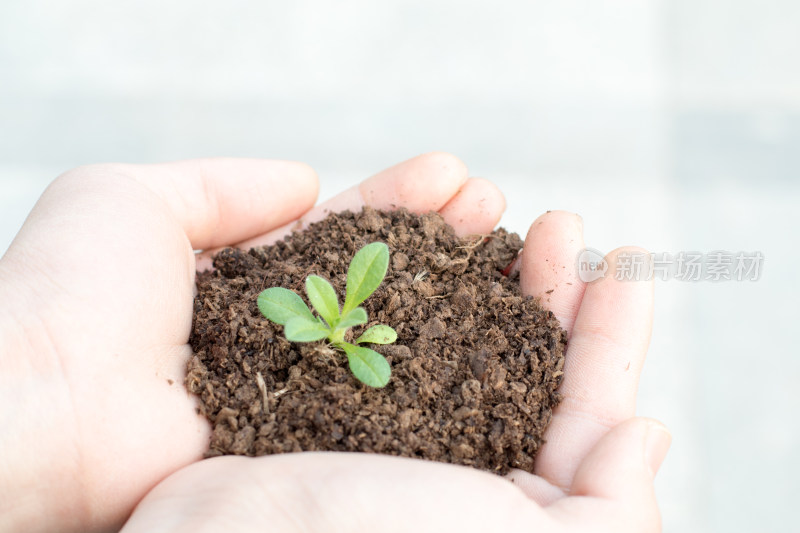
674, 125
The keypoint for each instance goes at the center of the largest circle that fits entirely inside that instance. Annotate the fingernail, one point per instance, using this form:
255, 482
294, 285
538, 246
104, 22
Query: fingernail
656, 445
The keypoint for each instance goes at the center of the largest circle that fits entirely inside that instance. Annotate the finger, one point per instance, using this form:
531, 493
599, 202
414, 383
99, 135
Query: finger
222, 201
475, 209
421, 184
620, 468
605, 355
424, 183
547, 269
624, 462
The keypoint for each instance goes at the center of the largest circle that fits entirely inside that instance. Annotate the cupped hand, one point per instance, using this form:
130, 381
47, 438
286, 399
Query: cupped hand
97, 290
595, 472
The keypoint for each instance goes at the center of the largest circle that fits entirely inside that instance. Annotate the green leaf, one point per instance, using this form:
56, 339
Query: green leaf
300, 329
354, 318
323, 297
281, 305
366, 272
379, 334
368, 366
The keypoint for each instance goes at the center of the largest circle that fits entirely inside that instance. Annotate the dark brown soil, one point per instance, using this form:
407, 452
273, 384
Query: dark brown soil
474, 369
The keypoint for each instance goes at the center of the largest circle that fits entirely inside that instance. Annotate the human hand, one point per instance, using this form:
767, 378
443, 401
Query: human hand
97, 309
595, 473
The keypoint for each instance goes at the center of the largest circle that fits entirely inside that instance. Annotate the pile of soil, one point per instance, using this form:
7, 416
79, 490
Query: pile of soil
474, 369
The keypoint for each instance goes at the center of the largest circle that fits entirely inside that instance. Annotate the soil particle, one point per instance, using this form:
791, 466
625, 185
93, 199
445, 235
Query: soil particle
474, 370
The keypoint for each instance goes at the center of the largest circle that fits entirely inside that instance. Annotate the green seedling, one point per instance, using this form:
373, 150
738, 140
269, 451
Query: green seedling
365, 274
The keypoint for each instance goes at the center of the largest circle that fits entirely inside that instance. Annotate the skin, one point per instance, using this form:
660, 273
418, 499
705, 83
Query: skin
97, 429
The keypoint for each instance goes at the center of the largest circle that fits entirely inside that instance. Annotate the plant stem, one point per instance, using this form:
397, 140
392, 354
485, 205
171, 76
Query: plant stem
337, 337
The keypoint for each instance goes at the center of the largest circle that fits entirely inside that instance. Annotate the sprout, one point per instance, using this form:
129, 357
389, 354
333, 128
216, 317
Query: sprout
365, 274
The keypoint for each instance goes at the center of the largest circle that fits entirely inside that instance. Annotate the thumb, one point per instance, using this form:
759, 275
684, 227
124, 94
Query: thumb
221, 201
621, 468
